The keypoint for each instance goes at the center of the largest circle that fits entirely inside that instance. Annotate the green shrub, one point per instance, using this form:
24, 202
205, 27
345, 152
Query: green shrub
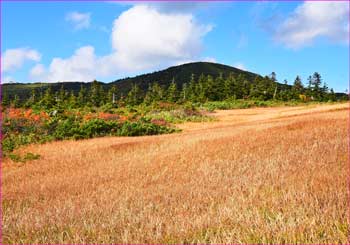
28, 157
142, 127
66, 129
15, 157
31, 156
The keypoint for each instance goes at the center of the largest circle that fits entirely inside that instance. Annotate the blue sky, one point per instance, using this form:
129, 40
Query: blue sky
82, 41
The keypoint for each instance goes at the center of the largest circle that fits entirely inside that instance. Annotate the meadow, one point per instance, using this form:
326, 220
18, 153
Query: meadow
257, 175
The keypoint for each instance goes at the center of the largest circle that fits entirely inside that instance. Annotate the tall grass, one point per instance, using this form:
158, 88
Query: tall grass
280, 180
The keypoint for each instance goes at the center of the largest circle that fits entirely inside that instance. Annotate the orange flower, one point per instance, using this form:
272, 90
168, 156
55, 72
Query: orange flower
28, 113
108, 116
36, 118
88, 117
44, 115
123, 118
14, 113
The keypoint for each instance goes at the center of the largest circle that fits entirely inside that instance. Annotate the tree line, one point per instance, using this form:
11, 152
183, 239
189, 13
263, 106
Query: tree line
202, 89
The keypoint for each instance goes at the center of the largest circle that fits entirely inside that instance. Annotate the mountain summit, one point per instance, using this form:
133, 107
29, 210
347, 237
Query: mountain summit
182, 74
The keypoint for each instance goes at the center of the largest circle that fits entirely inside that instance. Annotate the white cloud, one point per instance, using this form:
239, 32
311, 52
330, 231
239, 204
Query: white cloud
81, 66
143, 38
311, 20
37, 71
240, 65
79, 20
13, 59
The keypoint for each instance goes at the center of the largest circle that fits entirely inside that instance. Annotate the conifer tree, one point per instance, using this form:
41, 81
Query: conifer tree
229, 87
33, 96
16, 101
316, 83
48, 99
172, 93
246, 89
297, 88
191, 92
62, 95
72, 100
219, 88
331, 95
112, 94
209, 89
134, 96
81, 100
5, 101
184, 92
95, 93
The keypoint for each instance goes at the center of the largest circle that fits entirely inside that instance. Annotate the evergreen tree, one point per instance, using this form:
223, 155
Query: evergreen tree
246, 89
258, 89
33, 96
201, 89
62, 95
5, 100
230, 87
210, 88
102, 95
324, 92
316, 86
273, 77
286, 91
31, 100
134, 96
172, 93
219, 88
332, 96
297, 88
72, 101
309, 87
242, 87
269, 86
48, 99
95, 93
81, 100
112, 94
191, 92
184, 92
154, 93
16, 101
298, 85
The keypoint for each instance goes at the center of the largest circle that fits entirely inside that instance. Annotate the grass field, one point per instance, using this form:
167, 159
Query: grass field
262, 175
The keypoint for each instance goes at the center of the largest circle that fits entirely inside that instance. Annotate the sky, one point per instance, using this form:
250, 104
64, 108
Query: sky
83, 41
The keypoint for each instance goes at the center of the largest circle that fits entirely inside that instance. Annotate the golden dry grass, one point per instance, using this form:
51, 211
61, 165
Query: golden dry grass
271, 175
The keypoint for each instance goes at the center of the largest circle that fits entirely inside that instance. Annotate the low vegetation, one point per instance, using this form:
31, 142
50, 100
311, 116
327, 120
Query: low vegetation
287, 183
57, 115
24, 126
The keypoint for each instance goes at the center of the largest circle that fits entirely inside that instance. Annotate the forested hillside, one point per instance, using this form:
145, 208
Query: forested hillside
195, 82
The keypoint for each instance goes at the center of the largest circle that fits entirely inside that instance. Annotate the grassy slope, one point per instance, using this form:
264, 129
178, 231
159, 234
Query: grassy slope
267, 175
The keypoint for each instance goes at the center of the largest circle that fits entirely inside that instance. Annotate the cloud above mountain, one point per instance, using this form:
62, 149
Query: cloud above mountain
143, 37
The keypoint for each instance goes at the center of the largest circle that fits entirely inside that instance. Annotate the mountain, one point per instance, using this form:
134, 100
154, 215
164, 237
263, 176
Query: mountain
180, 73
